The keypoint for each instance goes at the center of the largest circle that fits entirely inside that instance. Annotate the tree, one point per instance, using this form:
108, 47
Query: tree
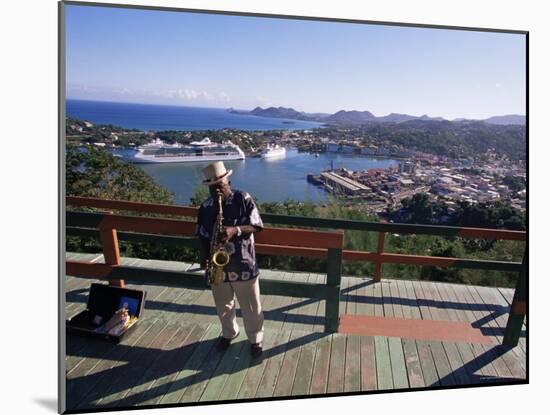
93, 172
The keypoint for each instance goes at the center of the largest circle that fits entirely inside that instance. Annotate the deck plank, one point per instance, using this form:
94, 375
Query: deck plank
440, 304
377, 298
217, 381
473, 370
304, 369
283, 303
429, 294
343, 308
396, 299
412, 362
423, 302
206, 371
355, 286
361, 308
274, 345
386, 298
318, 321
429, 371
320, 316
447, 303
309, 310
415, 307
337, 363
236, 375
352, 371
186, 376
166, 372
319, 377
287, 373
368, 364
369, 297
404, 299
442, 365
384, 377
269, 304
398, 368
456, 363
266, 384
483, 358
295, 305
459, 308
473, 354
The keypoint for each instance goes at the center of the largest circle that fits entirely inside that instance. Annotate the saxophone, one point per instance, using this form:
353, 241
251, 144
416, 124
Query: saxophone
219, 257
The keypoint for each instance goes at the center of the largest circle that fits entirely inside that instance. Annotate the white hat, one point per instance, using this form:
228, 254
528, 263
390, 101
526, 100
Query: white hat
215, 173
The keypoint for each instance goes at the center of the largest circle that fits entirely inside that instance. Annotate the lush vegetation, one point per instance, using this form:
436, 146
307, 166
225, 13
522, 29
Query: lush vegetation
94, 172
444, 138
515, 183
421, 209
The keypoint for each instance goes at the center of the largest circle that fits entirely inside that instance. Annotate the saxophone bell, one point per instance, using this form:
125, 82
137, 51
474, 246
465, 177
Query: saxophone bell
220, 258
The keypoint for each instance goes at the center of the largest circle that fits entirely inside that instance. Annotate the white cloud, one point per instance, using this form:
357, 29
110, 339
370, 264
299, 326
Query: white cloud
171, 96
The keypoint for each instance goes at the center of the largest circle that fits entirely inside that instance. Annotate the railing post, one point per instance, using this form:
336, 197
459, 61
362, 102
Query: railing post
334, 276
380, 250
111, 252
518, 309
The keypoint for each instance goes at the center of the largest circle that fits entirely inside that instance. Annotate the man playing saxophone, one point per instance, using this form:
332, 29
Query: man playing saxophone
226, 224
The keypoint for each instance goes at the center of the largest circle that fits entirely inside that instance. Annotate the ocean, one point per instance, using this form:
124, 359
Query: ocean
164, 117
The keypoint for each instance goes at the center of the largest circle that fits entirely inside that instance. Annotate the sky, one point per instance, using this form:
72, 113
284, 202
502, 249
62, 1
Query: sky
221, 61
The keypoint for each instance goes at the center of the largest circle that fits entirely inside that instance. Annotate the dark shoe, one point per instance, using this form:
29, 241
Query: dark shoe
223, 343
256, 349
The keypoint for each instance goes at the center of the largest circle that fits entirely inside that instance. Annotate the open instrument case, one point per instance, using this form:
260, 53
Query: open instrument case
103, 302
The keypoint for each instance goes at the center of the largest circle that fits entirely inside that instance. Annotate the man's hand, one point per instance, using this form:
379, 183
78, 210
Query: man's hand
229, 232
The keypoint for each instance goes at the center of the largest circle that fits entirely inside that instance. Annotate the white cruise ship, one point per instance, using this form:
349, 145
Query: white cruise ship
273, 151
158, 151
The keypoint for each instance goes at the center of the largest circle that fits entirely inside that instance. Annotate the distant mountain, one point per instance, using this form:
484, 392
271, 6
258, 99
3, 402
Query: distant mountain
427, 118
282, 112
352, 117
273, 112
394, 117
366, 117
507, 120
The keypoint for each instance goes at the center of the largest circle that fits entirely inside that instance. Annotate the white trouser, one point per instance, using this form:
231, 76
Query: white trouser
248, 296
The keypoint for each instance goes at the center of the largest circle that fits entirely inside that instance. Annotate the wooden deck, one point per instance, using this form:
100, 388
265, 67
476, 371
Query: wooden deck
171, 357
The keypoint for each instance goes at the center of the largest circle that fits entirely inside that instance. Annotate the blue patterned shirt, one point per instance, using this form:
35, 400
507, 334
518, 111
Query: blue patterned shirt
238, 209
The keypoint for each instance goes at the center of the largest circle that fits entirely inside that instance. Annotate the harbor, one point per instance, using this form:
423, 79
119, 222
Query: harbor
281, 177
